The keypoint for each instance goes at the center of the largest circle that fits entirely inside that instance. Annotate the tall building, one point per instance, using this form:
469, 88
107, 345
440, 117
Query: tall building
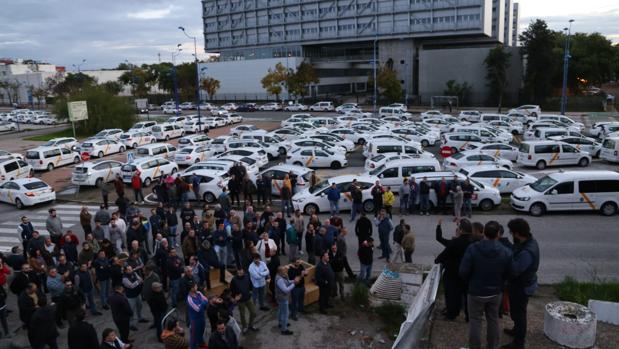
516, 18
340, 39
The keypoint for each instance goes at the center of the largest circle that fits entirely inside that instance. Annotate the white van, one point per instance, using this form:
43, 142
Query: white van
12, 168
561, 118
494, 117
167, 131
545, 133
322, 106
396, 147
150, 169
393, 172
551, 153
570, 191
484, 133
610, 149
384, 112
145, 126
163, 150
459, 141
48, 158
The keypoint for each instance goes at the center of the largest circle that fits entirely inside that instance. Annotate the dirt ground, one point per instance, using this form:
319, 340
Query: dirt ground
454, 334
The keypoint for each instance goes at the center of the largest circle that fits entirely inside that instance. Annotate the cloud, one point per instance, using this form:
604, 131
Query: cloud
151, 14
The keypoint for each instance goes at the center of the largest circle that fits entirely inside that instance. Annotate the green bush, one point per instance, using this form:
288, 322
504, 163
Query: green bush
580, 292
392, 315
360, 294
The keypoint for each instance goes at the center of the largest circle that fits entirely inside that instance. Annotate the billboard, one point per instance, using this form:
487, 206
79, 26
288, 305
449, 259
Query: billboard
77, 111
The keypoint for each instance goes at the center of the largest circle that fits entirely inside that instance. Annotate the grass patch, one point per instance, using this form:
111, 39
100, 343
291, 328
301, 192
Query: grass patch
392, 315
580, 292
360, 295
46, 137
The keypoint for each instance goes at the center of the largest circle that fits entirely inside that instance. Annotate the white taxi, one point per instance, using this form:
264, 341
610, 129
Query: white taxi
150, 169
473, 158
111, 133
314, 199
551, 153
102, 147
380, 159
12, 168
4, 153
214, 122
316, 157
257, 154
312, 143
24, 192
272, 150
193, 140
134, 138
459, 141
239, 130
250, 164
167, 131
48, 158
193, 154
581, 143
277, 174
64, 142
498, 177
145, 126
499, 150
96, 172
194, 126
211, 184
334, 139
287, 133
426, 140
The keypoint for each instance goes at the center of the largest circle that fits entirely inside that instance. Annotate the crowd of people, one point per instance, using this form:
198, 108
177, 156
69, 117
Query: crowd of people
258, 260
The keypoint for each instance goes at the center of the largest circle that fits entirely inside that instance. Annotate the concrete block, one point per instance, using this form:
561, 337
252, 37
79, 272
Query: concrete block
570, 324
413, 279
605, 311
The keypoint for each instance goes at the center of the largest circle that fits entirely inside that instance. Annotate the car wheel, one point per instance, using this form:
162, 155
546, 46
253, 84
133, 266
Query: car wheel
121, 149
298, 163
541, 165
50, 166
584, 162
134, 145
361, 141
608, 209
281, 151
31, 173
167, 138
153, 141
336, 165
368, 206
100, 155
19, 204
174, 170
537, 209
147, 182
12, 128
534, 114
309, 209
486, 205
209, 197
425, 143
98, 182
514, 132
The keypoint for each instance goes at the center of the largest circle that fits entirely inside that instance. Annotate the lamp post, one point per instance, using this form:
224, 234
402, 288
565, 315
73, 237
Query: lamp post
375, 82
566, 60
195, 56
79, 65
174, 54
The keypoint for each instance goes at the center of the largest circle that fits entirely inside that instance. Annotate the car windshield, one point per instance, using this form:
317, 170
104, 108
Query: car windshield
186, 150
378, 158
377, 170
543, 183
143, 151
128, 168
48, 143
319, 187
125, 136
35, 185
184, 141
80, 170
32, 155
457, 156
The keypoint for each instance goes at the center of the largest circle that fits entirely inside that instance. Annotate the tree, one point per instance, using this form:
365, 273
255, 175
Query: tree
497, 63
40, 94
73, 83
299, 80
186, 77
389, 87
275, 79
113, 87
105, 109
140, 78
462, 91
210, 85
592, 59
542, 61
12, 90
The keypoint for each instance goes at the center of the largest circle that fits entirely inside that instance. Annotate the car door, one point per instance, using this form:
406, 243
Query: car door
569, 155
7, 192
508, 181
24, 169
561, 197
67, 156
321, 158
390, 176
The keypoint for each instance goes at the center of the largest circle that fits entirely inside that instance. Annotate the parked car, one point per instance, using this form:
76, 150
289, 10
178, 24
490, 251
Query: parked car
505, 180
296, 107
102, 147
528, 109
24, 192
94, 173
322, 106
150, 168
272, 106
314, 199
247, 107
316, 157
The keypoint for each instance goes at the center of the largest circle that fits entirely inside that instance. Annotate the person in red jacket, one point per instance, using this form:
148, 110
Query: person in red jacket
4, 272
136, 184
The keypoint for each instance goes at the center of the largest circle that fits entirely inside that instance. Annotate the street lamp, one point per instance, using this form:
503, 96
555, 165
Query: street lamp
174, 54
195, 55
566, 60
79, 65
374, 62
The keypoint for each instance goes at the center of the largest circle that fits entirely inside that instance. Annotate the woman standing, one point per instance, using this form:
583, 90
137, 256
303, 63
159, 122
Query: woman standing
458, 197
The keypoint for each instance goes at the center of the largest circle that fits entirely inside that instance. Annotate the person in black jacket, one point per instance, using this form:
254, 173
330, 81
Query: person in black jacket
121, 311
363, 228
377, 197
26, 303
70, 302
42, 330
240, 286
336, 259
325, 279
158, 307
82, 334
366, 258
223, 337
450, 258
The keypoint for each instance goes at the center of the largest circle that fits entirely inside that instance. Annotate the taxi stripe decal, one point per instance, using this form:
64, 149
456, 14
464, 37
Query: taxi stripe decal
57, 160
588, 201
496, 182
497, 153
463, 146
309, 161
276, 183
10, 196
156, 171
554, 158
107, 176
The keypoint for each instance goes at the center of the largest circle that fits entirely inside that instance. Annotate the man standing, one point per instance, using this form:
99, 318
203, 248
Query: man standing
121, 312
82, 334
377, 197
366, 257
241, 287
325, 279
404, 193
196, 306
363, 228
119, 187
223, 337
333, 195
132, 282
467, 189
298, 293
299, 225
53, 224
174, 271
357, 201
485, 267
136, 185
384, 225
336, 259
258, 273
523, 282
103, 271
424, 197
83, 282
293, 242
442, 191
414, 193
25, 230
283, 287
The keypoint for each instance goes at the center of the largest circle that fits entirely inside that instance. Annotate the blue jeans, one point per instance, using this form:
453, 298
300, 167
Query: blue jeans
356, 209
136, 306
412, 201
467, 209
104, 290
196, 334
384, 244
282, 314
287, 206
91, 301
257, 295
335, 207
174, 289
424, 203
404, 203
172, 235
298, 295
222, 256
365, 272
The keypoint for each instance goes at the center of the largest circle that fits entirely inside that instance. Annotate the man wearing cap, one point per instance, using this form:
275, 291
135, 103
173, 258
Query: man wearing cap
53, 224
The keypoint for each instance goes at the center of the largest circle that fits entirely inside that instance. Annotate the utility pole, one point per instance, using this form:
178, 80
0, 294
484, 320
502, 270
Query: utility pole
195, 56
174, 54
374, 62
566, 62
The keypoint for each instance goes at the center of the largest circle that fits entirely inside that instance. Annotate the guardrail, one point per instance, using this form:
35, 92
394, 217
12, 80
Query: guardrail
419, 311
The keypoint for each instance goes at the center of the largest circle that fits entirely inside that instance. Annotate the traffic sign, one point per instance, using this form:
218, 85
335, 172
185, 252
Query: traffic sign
446, 151
130, 157
85, 156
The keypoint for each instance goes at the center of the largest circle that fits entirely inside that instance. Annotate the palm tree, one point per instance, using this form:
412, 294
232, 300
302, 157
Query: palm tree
210, 85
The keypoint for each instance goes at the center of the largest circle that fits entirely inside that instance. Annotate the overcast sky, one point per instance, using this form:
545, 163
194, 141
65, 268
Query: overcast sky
108, 32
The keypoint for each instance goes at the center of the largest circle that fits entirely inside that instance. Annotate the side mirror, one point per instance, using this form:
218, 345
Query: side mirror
322, 195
